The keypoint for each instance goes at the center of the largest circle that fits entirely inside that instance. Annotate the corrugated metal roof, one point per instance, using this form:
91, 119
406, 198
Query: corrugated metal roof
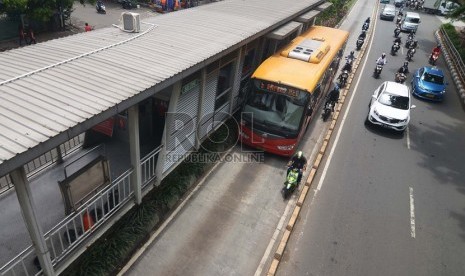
53, 91
283, 31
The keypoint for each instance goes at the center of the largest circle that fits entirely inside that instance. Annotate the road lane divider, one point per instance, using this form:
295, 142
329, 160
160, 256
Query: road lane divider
309, 180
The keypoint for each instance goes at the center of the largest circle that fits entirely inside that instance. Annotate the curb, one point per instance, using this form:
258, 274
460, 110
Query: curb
309, 180
451, 66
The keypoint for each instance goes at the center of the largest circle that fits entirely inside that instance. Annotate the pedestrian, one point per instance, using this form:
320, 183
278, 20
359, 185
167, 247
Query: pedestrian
31, 36
21, 34
87, 28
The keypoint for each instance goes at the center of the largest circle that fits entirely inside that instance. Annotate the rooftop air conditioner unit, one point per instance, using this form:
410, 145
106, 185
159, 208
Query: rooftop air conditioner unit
131, 22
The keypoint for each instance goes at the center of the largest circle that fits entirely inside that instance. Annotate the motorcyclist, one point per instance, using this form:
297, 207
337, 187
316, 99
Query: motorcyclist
436, 50
344, 74
403, 69
333, 97
414, 44
398, 40
351, 56
397, 31
299, 162
99, 5
367, 20
382, 59
347, 66
362, 35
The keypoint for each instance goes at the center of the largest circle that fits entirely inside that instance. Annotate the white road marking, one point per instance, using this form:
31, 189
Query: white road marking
402, 49
336, 140
273, 240
408, 138
289, 205
412, 214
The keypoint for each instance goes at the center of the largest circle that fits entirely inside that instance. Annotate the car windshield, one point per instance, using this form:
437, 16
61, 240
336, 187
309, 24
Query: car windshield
433, 78
412, 20
282, 110
395, 101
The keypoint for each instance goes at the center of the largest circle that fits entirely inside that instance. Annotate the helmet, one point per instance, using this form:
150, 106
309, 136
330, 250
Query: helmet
299, 154
439, 45
383, 55
352, 53
406, 63
416, 41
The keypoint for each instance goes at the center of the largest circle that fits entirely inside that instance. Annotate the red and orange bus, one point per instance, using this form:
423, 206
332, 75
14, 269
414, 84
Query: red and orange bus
287, 88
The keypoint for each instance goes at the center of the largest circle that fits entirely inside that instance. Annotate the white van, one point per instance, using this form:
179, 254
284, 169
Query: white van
410, 22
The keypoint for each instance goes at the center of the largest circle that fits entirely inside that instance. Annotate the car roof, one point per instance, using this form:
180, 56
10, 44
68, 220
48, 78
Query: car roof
412, 14
389, 7
434, 71
396, 89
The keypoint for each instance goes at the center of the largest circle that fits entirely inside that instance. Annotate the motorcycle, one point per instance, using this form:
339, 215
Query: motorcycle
400, 78
100, 7
343, 78
291, 182
377, 71
365, 26
395, 48
327, 109
359, 43
408, 43
433, 58
127, 4
410, 54
396, 32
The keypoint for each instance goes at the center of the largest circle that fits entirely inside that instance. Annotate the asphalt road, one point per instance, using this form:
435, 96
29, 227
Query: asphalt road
383, 203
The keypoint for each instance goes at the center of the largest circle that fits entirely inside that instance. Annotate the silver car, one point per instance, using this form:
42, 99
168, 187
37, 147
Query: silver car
388, 12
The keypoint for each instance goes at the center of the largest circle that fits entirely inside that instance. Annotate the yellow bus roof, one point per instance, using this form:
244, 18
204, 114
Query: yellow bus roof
298, 73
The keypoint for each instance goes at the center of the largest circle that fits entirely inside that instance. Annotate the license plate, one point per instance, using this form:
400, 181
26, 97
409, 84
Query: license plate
429, 96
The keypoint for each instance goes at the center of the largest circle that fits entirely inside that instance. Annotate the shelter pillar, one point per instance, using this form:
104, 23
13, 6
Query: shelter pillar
134, 148
23, 192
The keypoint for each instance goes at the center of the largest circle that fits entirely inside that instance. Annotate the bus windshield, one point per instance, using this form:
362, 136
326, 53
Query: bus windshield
275, 106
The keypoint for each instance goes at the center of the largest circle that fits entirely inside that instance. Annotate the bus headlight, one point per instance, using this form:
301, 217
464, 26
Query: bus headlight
287, 147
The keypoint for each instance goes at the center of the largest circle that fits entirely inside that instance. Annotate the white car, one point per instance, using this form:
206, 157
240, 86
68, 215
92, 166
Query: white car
390, 106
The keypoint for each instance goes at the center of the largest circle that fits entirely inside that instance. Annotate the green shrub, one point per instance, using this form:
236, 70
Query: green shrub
455, 38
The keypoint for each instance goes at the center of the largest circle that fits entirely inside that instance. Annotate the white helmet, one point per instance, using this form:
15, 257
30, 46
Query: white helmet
299, 154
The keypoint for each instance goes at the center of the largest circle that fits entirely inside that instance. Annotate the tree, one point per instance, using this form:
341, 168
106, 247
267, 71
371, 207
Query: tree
458, 13
39, 10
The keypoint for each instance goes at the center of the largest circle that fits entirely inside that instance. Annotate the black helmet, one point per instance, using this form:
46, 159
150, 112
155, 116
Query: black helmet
406, 63
383, 55
439, 45
352, 53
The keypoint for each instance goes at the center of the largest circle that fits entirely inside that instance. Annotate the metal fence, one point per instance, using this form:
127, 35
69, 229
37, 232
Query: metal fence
72, 231
75, 228
148, 165
454, 55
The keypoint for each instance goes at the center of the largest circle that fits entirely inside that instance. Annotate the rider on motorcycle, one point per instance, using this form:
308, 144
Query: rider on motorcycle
363, 35
414, 44
403, 69
333, 97
381, 60
436, 50
398, 40
299, 162
350, 57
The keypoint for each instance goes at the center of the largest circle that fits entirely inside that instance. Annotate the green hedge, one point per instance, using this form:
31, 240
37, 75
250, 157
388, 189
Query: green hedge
333, 15
108, 254
455, 38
